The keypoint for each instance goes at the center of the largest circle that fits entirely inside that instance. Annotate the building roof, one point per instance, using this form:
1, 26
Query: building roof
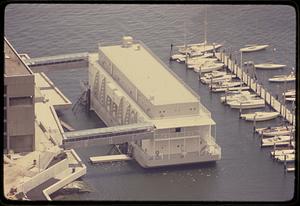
186, 121
13, 63
148, 74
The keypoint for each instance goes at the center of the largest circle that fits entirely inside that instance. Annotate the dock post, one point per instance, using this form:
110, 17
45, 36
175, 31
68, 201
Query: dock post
240, 112
274, 150
211, 81
254, 122
171, 52
285, 163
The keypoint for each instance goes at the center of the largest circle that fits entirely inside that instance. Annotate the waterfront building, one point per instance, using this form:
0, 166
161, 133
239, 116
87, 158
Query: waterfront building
129, 84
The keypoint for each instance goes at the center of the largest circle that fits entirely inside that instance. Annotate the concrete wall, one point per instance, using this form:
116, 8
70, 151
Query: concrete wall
79, 171
43, 176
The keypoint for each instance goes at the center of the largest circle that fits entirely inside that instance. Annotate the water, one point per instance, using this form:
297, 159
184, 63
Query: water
246, 172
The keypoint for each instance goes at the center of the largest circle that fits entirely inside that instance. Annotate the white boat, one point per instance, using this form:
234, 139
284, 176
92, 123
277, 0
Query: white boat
247, 104
289, 93
208, 67
224, 86
282, 152
253, 48
178, 56
279, 144
224, 78
260, 116
291, 99
200, 60
191, 49
201, 54
269, 66
236, 96
214, 74
273, 131
199, 47
286, 158
244, 88
277, 139
283, 78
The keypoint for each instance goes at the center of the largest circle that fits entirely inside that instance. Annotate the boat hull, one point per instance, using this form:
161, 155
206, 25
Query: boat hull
235, 105
254, 48
262, 117
269, 66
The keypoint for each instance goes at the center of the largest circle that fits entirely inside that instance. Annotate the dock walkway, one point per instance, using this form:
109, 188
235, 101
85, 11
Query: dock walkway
256, 87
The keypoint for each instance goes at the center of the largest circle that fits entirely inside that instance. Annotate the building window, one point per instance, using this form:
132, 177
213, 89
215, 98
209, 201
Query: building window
178, 129
15, 101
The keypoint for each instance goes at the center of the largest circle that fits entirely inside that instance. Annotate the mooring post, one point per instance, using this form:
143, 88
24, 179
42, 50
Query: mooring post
285, 167
171, 52
254, 122
240, 112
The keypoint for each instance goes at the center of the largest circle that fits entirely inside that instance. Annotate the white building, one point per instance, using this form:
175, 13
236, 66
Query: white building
129, 84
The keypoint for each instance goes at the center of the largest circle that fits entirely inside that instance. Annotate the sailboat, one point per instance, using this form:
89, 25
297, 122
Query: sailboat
283, 78
253, 48
199, 48
270, 65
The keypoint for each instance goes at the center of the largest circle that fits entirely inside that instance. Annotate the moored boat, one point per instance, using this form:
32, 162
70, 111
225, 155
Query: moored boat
273, 131
208, 67
247, 104
260, 116
282, 152
236, 96
253, 48
289, 93
286, 158
274, 140
269, 66
225, 78
283, 78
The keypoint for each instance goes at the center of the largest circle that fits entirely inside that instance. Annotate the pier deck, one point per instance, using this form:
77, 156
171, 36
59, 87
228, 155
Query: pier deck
109, 158
256, 87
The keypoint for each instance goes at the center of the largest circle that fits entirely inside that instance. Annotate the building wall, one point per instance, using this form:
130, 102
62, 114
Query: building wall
195, 140
19, 121
109, 104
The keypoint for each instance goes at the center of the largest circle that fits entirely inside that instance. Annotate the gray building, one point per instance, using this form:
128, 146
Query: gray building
19, 118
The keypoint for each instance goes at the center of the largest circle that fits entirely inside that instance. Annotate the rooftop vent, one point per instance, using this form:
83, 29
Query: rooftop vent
127, 41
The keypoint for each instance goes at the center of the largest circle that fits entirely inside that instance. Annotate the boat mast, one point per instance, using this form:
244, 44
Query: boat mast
205, 26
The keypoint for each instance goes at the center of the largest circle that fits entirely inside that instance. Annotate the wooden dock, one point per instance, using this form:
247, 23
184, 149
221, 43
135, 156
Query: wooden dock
256, 87
109, 158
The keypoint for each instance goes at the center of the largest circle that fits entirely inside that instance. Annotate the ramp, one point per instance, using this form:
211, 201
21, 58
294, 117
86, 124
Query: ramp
109, 135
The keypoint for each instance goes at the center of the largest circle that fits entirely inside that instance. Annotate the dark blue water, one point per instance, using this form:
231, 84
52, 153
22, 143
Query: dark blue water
246, 172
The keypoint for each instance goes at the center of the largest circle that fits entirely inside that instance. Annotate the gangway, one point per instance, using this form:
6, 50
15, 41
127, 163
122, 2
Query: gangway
47, 60
108, 135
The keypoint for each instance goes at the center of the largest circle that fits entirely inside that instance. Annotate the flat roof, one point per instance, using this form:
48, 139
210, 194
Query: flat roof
148, 74
13, 63
187, 121
52, 93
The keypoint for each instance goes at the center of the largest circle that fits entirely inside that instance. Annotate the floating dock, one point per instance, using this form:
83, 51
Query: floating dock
256, 87
109, 158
